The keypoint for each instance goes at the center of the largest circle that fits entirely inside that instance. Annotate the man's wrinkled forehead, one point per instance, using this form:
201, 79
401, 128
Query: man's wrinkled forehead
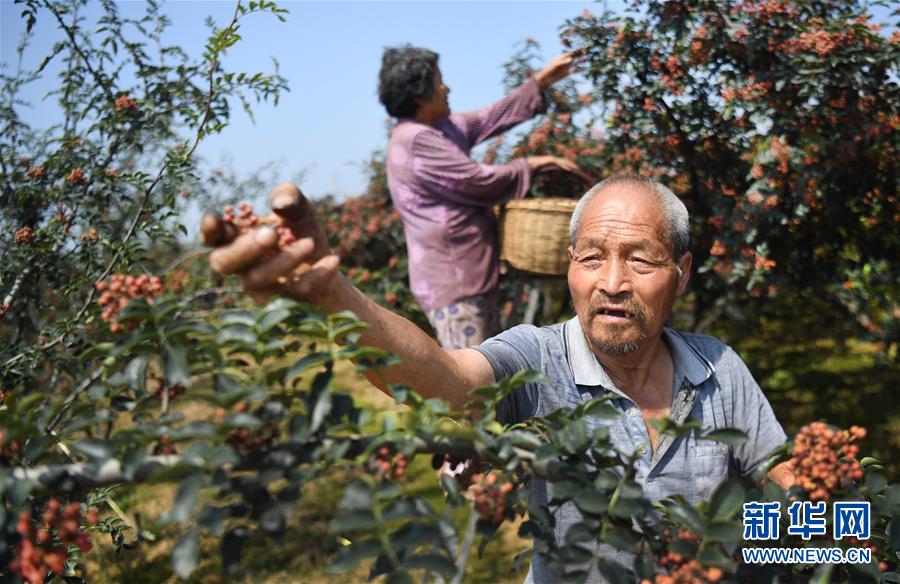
626, 211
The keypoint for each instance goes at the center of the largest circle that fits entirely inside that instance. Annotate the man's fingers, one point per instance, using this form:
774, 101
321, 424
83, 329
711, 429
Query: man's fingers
288, 202
269, 273
317, 276
244, 251
215, 232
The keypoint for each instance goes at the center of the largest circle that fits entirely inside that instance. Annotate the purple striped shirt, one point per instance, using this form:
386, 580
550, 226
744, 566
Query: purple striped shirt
444, 198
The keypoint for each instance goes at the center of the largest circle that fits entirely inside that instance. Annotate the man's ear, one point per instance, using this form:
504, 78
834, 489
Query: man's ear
571, 251
684, 264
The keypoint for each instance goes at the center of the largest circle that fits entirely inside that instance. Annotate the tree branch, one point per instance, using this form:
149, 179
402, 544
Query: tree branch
213, 65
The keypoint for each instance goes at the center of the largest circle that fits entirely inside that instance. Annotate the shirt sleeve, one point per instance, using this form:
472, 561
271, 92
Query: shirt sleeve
523, 103
510, 352
443, 169
752, 414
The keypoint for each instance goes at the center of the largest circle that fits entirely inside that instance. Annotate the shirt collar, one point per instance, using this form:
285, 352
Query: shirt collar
588, 371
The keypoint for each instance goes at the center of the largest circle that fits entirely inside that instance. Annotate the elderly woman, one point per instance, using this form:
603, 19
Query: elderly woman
445, 198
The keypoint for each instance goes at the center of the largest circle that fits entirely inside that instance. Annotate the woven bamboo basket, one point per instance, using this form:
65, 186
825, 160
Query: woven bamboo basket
534, 234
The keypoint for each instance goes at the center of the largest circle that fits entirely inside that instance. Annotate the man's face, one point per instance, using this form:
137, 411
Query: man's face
622, 276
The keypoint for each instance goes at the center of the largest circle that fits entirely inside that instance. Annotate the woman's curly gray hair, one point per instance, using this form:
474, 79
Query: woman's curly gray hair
407, 75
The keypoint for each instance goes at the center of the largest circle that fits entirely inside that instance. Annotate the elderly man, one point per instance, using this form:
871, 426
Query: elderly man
629, 261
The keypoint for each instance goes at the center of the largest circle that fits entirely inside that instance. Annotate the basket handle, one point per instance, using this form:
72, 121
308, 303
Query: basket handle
588, 179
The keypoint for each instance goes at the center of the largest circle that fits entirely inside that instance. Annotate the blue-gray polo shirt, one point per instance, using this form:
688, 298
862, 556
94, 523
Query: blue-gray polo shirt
710, 383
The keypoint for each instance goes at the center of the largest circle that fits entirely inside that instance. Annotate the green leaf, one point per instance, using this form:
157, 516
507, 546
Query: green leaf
184, 499
618, 537
893, 535
722, 531
132, 461
686, 515
683, 547
602, 409
713, 557
726, 500
348, 557
582, 532
591, 502
135, 372
36, 447
451, 489
487, 531
432, 563
242, 420
211, 518
614, 572
357, 495
309, 360
869, 461
574, 436
281, 303
186, 554
407, 508
730, 436
273, 319
176, 366
232, 546
352, 520
239, 317
413, 535
564, 489
320, 410
626, 506
875, 482
237, 335
96, 450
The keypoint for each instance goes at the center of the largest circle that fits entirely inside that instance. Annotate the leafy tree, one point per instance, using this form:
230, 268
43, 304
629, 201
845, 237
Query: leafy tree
777, 122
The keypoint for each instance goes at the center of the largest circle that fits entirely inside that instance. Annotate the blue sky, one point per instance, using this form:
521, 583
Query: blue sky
330, 53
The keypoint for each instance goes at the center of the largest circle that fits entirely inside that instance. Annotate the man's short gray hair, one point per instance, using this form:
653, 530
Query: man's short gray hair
678, 230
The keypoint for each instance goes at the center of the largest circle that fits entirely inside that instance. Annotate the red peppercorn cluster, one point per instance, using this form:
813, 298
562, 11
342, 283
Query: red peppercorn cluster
691, 572
35, 172
44, 544
126, 104
164, 446
681, 570
76, 176
174, 390
246, 220
25, 236
491, 497
246, 440
9, 449
120, 290
825, 460
385, 463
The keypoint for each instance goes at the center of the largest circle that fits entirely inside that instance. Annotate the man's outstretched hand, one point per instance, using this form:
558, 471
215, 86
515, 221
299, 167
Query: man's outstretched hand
300, 269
